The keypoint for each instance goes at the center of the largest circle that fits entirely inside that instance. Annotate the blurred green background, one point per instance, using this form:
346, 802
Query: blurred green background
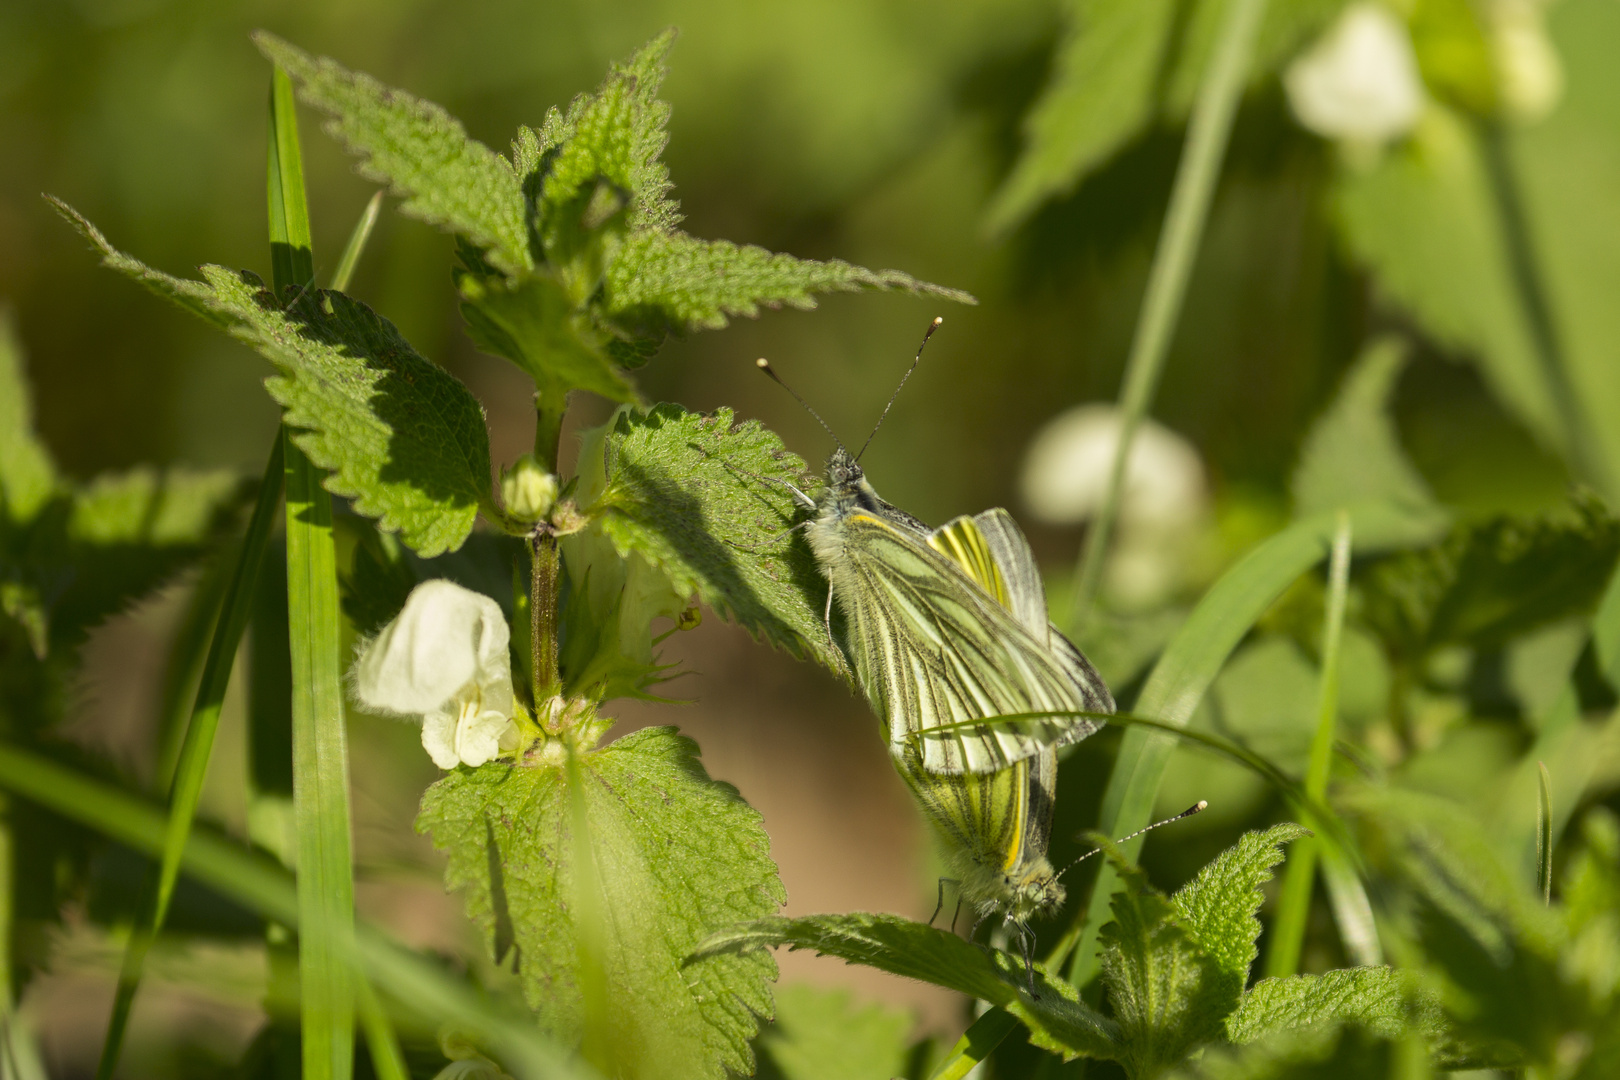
873, 132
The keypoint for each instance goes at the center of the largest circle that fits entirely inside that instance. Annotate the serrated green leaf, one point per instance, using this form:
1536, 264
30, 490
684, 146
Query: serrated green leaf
422, 152
1493, 581
607, 619
1057, 1020
684, 490
824, 1035
1379, 999
671, 280
1353, 453
1219, 905
27, 474
400, 436
675, 856
1167, 992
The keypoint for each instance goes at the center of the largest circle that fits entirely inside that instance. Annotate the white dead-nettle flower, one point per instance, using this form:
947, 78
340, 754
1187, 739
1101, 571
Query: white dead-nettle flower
1163, 508
1359, 82
444, 658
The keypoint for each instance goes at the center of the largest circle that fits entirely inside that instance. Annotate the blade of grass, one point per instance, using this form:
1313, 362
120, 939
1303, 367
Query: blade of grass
1207, 134
977, 1043
1352, 910
320, 747
1544, 839
357, 243
260, 884
187, 657
387, 1059
1178, 683
191, 769
1288, 927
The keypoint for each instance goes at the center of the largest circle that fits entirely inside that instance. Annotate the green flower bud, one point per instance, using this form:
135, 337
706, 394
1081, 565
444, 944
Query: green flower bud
528, 490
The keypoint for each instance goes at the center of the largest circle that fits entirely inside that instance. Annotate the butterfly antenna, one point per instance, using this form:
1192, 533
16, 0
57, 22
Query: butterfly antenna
926, 335
1187, 813
765, 366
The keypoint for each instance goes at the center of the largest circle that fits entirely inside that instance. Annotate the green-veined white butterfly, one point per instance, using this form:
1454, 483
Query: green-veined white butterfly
947, 627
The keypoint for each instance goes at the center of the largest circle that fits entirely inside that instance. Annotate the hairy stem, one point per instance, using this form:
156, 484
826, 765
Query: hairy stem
543, 581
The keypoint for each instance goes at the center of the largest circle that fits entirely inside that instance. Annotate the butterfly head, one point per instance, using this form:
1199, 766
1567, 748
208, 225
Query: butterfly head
842, 469
1031, 890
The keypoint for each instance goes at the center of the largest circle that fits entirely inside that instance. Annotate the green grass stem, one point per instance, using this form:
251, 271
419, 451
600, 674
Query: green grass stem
1208, 132
424, 988
320, 745
977, 1043
357, 243
191, 767
1294, 905
1544, 837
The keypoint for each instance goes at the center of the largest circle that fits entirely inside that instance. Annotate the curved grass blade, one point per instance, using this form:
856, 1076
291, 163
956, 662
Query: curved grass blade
976, 1044
260, 884
1178, 683
1201, 156
1288, 927
1544, 837
320, 749
357, 243
191, 768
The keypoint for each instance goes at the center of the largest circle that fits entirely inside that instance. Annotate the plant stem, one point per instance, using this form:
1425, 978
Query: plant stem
1207, 135
1293, 908
543, 572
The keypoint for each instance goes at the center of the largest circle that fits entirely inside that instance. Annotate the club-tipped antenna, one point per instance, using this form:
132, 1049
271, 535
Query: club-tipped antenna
765, 366
884, 415
1187, 813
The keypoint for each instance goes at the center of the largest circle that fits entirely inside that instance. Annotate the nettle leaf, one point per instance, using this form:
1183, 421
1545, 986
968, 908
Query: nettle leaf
400, 436
685, 491
823, 1035
534, 323
1057, 1019
1219, 905
422, 152
1379, 999
673, 855
1165, 990
607, 647
1353, 455
1493, 581
27, 474
1122, 65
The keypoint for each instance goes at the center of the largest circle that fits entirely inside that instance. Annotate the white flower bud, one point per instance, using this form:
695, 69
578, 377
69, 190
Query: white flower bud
1067, 466
528, 490
444, 658
1360, 81
1530, 74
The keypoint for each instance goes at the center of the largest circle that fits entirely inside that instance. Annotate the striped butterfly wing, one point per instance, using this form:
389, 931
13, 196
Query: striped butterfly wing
1001, 820
954, 648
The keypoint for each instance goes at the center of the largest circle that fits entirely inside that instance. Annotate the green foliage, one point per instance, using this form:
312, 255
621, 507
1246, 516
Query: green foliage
684, 490
27, 474
572, 265
419, 150
671, 855
1123, 65
1056, 1018
1487, 583
823, 1035
1331, 1053
1220, 905
402, 438
1382, 1000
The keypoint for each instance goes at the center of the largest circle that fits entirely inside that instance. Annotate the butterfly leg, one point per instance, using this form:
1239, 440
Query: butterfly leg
957, 912
940, 906
1029, 967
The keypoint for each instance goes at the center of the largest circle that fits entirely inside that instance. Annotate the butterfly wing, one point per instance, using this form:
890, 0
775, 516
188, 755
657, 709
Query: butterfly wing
948, 639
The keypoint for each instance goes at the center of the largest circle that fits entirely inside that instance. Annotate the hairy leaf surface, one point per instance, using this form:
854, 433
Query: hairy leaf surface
398, 434
673, 855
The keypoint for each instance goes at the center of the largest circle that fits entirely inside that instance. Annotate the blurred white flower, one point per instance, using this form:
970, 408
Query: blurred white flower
1529, 73
1163, 509
1067, 465
444, 658
1360, 81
